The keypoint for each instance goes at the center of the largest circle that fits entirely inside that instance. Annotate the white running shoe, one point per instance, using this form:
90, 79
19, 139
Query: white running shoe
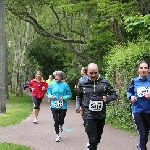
138, 146
58, 138
35, 121
87, 146
60, 128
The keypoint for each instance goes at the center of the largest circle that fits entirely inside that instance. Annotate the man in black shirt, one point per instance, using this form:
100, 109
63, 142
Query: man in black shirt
92, 96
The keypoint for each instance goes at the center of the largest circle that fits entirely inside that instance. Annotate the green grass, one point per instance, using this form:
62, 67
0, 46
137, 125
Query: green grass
120, 119
116, 123
10, 146
17, 109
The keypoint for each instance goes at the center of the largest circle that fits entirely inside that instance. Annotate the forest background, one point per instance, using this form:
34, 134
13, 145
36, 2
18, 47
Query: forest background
65, 35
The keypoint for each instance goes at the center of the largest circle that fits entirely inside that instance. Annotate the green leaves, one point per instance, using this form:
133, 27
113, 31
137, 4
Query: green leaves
138, 25
121, 66
49, 54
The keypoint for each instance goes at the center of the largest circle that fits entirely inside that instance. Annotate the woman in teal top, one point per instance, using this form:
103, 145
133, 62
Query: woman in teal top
59, 92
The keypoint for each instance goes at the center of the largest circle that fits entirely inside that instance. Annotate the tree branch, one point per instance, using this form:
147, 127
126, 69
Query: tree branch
59, 22
81, 55
40, 30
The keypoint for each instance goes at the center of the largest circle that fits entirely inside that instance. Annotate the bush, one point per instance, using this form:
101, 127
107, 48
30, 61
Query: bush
121, 65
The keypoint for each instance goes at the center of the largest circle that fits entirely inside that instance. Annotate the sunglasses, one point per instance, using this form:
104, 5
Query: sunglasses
93, 72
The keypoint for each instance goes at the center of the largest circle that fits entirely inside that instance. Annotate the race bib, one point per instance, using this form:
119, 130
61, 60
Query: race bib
142, 90
96, 105
58, 104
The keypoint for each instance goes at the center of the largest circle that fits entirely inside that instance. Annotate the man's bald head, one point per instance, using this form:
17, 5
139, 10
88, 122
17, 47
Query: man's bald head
92, 66
92, 71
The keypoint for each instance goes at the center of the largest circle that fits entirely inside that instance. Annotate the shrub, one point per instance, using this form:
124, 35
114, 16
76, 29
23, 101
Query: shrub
121, 65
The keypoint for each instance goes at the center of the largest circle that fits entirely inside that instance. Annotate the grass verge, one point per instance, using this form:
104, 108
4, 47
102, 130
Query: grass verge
17, 109
10, 146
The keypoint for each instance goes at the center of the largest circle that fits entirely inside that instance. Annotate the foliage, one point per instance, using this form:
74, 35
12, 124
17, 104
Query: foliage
121, 116
50, 55
88, 27
18, 108
10, 146
121, 65
138, 25
122, 61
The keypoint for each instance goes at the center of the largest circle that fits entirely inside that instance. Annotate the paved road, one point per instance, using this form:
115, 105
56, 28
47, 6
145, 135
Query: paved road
42, 136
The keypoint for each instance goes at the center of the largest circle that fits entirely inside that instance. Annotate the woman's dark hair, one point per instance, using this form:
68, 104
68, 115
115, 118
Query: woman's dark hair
85, 70
143, 61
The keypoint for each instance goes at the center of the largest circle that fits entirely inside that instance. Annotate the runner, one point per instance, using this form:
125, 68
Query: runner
92, 96
139, 94
59, 92
38, 87
49, 81
84, 76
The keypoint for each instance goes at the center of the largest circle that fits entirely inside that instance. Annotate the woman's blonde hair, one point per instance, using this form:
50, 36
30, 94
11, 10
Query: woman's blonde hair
38, 72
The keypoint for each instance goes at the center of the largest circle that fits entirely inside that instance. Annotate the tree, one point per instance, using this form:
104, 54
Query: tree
19, 35
88, 27
50, 54
3, 60
138, 25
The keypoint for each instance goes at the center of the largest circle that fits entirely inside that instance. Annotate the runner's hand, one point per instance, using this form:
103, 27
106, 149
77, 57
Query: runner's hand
147, 95
33, 89
133, 99
76, 87
53, 97
78, 111
61, 98
104, 98
43, 88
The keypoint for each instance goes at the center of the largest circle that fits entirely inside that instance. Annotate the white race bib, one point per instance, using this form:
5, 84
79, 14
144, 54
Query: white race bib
96, 105
58, 104
142, 90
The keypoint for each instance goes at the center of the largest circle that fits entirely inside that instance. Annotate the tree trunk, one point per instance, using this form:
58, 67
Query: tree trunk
143, 6
15, 67
117, 31
23, 61
16, 55
19, 90
3, 60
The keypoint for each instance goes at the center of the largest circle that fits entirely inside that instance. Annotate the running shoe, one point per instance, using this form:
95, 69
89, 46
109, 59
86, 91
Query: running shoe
87, 146
138, 146
35, 121
58, 138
